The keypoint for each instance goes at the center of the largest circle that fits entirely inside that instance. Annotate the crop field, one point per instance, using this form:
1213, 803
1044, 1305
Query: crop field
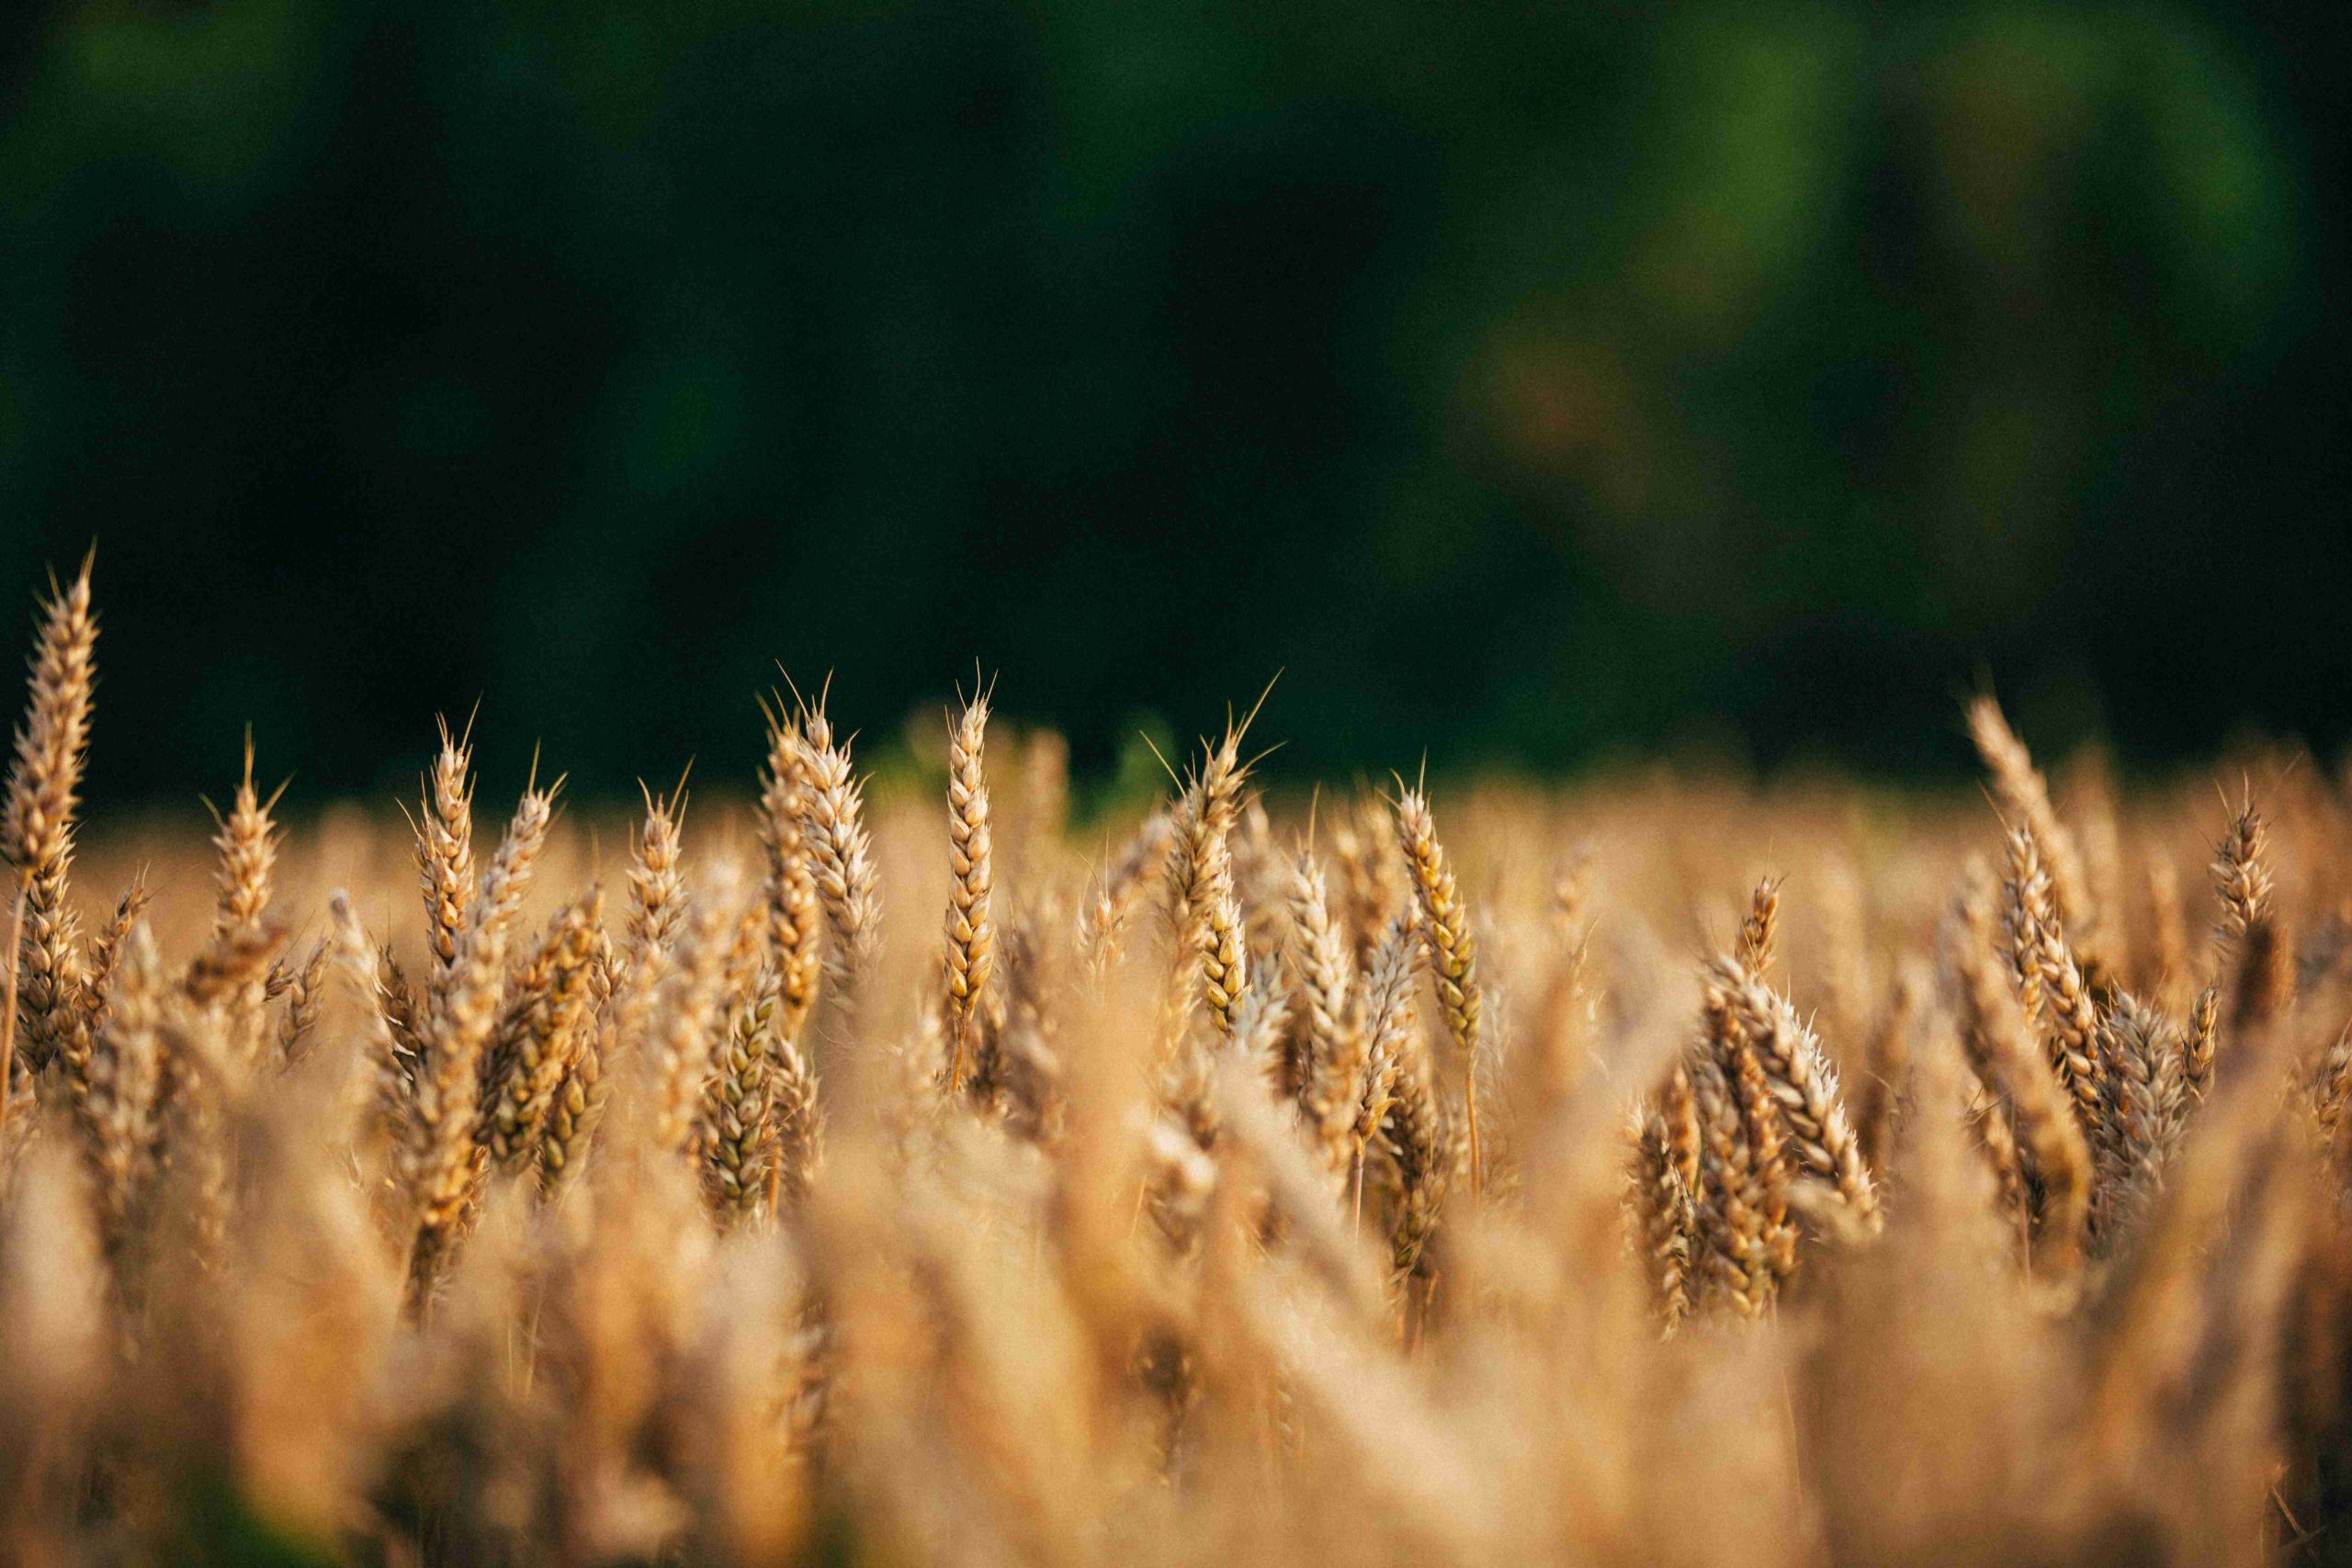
1662, 1169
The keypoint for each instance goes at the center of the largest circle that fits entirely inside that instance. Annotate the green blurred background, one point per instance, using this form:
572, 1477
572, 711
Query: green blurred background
1532, 383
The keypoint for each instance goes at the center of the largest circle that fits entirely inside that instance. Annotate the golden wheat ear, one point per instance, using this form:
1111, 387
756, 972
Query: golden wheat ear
971, 935
1445, 926
38, 816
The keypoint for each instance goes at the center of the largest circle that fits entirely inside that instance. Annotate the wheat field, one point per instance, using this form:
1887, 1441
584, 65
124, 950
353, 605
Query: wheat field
1668, 1171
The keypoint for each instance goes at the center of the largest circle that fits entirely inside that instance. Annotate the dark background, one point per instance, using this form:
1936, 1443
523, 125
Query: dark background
1532, 383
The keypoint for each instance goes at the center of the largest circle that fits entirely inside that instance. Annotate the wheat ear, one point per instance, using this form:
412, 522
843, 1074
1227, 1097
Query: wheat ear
445, 1163
971, 938
796, 913
1445, 926
37, 831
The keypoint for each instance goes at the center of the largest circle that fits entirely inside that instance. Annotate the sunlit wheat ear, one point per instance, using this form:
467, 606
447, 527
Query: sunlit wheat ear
1994, 1033
795, 909
832, 817
1770, 1163
37, 827
1759, 928
444, 1162
2052, 989
126, 1084
1211, 957
2253, 962
971, 935
657, 890
298, 1023
2024, 799
246, 845
445, 852
1387, 987
1445, 926
106, 949
1804, 1086
549, 1007
1326, 1047
739, 1133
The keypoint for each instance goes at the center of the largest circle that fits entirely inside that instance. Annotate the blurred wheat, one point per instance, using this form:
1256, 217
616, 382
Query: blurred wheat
1573, 1187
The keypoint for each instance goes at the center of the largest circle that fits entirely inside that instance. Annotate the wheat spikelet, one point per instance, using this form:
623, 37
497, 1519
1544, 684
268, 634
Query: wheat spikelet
1768, 1167
445, 854
1320, 969
1203, 911
37, 824
2151, 1106
2197, 1050
1100, 935
2046, 970
1414, 1137
126, 1086
300, 1021
1445, 926
683, 1013
971, 939
1373, 878
444, 1162
2024, 798
1802, 1086
1387, 990
832, 816
1669, 1220
548, 1012
246, 842
2000, 1047
2248, 943
389, 1062
739, 1131
1743, 1246
1759, 928
794, 907
657, 889
106, 949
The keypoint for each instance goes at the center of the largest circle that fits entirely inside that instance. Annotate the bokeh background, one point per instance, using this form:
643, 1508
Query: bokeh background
1533, 384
